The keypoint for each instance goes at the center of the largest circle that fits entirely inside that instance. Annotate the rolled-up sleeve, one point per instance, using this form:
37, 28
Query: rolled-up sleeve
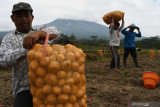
138, 34
8, 55
52, 31
124, 31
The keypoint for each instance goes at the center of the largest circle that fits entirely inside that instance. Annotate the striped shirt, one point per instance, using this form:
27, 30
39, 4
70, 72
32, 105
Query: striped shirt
11, 50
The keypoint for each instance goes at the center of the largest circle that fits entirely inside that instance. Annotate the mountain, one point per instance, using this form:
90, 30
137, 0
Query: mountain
3, 33
80, 28
83, 29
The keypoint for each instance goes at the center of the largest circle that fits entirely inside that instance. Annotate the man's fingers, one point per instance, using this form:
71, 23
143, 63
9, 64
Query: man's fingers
40, 41
27, 43
30, 44
129, 26
30, 40
52, 36
33, 41
24, 43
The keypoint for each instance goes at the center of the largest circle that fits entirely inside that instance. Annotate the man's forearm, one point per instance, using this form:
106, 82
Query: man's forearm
10, 57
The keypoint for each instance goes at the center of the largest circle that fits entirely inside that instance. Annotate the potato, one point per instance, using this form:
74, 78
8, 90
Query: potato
118, 15
57, 79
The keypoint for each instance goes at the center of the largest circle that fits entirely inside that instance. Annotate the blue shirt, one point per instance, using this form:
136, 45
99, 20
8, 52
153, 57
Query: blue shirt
129, 40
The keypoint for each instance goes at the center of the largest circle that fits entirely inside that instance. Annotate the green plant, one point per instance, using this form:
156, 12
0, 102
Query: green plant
124, 74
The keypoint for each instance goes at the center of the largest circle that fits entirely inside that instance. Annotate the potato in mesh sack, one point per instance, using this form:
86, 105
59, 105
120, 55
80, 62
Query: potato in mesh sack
118, 15
58, 80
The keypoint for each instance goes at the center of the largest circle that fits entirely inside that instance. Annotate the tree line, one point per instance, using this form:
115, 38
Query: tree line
148, 43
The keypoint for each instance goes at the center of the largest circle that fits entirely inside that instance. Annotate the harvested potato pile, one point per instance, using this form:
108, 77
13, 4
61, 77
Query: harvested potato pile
118, 15
57, 80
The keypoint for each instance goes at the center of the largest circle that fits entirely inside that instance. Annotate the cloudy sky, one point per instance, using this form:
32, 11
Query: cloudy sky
143, 13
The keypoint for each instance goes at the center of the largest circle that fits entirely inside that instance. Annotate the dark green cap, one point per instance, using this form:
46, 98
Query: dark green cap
21, 6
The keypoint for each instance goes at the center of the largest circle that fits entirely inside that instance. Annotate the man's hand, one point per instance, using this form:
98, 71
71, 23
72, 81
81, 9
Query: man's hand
123, 18
31, 39
112, 18
128, 26
40, 41
138, 29
36, 37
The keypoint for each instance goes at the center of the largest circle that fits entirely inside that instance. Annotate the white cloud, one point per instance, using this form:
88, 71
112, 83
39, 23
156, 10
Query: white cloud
144, 13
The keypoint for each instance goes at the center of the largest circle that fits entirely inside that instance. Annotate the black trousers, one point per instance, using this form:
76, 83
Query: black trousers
23, 99
115, 62
132, 51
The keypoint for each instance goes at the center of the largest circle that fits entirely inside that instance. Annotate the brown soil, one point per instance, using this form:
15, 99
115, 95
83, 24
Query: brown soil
105, 87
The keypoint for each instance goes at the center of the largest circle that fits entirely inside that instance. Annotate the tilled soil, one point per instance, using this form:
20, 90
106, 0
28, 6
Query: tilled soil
105, 87
110, 88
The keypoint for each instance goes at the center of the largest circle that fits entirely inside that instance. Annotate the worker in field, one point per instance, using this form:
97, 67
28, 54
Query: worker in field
14, 48
114, 30
129, 43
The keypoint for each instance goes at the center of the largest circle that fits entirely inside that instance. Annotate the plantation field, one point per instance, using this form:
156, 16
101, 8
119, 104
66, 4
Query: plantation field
105, 87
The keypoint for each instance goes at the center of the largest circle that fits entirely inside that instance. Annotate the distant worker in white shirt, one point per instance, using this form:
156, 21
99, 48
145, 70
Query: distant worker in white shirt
114, 30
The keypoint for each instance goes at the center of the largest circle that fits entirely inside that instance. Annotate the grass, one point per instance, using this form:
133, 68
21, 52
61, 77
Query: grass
124, 74
101, 58
85, 47
107, 55
88, 61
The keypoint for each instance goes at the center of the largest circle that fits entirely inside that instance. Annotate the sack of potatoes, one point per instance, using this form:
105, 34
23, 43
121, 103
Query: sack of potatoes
58, 79
118, 15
